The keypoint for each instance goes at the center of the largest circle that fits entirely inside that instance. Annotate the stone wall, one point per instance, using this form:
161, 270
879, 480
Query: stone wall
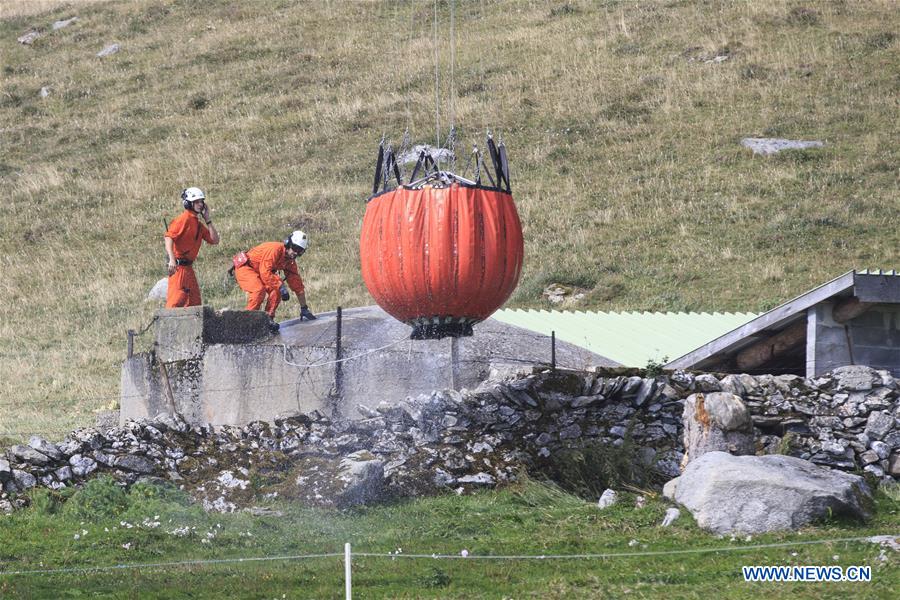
474, 438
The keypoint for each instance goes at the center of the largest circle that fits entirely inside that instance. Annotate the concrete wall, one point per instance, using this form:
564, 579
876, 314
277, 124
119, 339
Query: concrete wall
871, 339
253, 375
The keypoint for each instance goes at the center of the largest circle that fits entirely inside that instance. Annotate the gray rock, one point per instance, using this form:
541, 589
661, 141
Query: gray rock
362, 479
44, 447
23, 479
881, 449
134, 463
571, 432
767, 146
29, 455
894, 465
82, 465
875, 470
5, 471
63, 23
672, 515
716, 421
480, 478
63, 473
29, 37
879, 424
543, 439
45, 91
856, 378
733, 385
707, 383
618, 431
108, 50
868, 457
755, 494
645, 392
607, 498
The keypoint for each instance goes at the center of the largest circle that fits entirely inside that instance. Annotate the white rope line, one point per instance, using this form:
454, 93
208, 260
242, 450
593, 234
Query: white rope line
332, 362
615, 554
392, 556
182, 563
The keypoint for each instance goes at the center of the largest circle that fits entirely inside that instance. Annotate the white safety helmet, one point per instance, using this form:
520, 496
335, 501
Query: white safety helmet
190, 195
298, 241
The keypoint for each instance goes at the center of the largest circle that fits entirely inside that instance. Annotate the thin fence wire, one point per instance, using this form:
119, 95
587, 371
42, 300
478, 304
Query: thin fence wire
276, 385
439, 556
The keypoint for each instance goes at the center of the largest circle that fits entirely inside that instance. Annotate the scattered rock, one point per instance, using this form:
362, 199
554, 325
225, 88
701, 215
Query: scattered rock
560, 294
755, 494
767, 146
64, 23
45, 92
29, 38
107, 51
608, 498
672, 515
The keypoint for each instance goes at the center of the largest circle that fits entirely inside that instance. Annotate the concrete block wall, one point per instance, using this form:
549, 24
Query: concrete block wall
228, 369
871, 339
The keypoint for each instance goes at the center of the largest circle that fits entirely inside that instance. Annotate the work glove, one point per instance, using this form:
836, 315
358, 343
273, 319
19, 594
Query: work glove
285, 295
305, 313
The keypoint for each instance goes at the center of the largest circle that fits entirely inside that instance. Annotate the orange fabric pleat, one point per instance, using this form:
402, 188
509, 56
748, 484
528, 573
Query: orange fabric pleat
441, 252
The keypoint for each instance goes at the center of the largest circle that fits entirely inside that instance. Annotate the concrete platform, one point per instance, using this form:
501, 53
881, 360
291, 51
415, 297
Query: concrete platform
226, 369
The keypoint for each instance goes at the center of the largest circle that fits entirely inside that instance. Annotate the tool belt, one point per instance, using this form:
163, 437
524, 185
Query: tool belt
183, 262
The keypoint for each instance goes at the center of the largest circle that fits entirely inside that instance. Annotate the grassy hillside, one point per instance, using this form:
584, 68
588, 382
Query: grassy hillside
623, 137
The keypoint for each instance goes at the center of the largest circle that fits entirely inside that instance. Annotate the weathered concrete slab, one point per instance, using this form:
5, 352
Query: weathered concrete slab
227, 369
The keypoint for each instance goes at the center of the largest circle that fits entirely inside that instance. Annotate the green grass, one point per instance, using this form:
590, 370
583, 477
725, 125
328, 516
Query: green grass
624, 146
528, 519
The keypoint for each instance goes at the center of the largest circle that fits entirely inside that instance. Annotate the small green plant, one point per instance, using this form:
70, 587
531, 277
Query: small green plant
787, 443
198, 102
655, 368
436, 578
100, 497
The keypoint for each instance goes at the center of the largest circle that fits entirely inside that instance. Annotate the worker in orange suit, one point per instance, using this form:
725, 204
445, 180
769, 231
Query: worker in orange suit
183, 239
256, 271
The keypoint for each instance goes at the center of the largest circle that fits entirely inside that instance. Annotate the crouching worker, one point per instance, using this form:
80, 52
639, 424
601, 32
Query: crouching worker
256, 271
182, 241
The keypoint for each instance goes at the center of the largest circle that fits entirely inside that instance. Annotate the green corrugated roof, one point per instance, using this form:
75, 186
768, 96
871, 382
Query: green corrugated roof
631, 338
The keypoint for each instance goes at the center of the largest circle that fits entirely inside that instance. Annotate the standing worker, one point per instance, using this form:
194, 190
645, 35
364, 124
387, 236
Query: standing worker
256, 271
183, 239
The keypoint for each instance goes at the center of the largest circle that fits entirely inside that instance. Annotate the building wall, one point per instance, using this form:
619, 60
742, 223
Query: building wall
871, 339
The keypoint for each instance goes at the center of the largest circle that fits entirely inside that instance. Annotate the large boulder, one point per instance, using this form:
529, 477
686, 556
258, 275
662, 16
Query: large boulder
361, 476
754, 494
716, 421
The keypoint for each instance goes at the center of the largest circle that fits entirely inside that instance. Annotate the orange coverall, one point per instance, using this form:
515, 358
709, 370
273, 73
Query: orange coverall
187, 233
258, 277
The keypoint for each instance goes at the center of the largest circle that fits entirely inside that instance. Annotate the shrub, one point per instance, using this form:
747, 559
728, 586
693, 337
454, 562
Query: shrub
99, 498
595, 466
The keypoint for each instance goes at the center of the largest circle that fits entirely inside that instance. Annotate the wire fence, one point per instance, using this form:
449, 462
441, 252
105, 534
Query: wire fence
95, 399
348, 555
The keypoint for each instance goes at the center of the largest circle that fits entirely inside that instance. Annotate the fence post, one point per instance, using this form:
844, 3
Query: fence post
553, 350
347, 586
130, 343
338, 365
